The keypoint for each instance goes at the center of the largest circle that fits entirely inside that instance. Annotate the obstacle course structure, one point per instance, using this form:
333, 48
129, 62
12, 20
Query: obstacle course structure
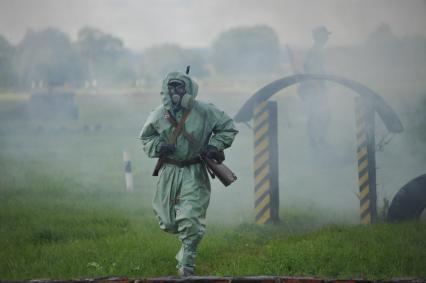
367, 104
265, 129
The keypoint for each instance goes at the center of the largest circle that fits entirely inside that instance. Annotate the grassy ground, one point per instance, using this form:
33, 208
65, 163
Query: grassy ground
64, 214
58, 228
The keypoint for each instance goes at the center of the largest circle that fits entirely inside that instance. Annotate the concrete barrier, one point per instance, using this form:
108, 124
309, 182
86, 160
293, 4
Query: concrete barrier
214, 279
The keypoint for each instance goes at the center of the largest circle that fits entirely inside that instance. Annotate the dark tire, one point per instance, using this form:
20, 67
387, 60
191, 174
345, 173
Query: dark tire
409, 202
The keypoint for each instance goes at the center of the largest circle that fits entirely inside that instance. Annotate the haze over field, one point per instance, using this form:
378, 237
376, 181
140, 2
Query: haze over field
126, 47
79, 78
196, 23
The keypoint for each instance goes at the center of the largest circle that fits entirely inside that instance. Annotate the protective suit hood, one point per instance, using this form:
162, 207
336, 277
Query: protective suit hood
190, 85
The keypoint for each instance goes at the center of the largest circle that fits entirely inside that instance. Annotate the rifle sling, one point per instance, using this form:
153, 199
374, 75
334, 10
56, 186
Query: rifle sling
173, 122
173, 138
189, 138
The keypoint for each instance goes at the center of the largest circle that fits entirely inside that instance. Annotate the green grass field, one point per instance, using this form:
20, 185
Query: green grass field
64, 213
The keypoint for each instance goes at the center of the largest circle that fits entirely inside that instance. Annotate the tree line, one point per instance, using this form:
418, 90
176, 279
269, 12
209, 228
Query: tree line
50, 58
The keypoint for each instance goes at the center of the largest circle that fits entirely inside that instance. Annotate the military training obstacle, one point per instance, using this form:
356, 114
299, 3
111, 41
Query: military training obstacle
264, 115
266, 170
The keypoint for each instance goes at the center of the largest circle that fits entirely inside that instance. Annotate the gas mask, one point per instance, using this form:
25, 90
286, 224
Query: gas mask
178, 94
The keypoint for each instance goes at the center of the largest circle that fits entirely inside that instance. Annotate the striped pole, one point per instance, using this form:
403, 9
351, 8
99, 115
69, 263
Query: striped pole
266, 162
366, 156
128, 171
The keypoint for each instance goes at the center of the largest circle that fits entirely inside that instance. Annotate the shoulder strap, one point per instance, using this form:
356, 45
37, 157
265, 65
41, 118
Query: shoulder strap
168, 115
179, 127
173, 138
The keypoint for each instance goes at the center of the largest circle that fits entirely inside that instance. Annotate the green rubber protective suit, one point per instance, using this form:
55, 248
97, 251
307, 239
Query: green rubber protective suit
182, 195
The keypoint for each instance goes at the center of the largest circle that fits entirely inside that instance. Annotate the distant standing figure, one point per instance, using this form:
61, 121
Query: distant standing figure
314, 92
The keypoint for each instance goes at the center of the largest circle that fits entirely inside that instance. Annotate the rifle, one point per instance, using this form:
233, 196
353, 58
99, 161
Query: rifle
215, 169
219, 170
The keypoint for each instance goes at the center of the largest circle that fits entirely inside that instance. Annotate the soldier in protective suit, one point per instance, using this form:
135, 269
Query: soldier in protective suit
183, 188
314, 93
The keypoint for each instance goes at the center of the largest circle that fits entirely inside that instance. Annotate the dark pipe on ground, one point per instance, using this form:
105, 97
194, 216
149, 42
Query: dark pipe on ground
409, 202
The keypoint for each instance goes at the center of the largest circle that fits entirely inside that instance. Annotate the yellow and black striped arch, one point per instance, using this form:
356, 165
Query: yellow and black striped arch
364, 117
265, 162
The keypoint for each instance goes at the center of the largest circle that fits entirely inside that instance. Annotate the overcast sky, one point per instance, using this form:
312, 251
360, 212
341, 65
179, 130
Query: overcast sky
196, 23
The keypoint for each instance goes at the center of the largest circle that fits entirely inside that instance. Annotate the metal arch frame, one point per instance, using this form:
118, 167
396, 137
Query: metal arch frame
387, 114
366, 147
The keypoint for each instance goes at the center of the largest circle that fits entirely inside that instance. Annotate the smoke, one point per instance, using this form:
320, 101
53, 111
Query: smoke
149, 22
389, 58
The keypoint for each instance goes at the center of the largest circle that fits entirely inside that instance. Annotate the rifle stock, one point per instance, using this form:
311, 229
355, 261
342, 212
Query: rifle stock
220, 170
